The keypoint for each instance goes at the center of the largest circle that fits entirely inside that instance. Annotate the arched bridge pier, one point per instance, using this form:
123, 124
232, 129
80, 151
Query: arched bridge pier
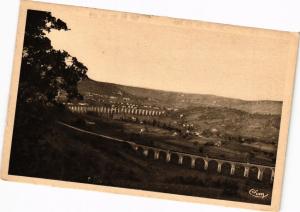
193, 158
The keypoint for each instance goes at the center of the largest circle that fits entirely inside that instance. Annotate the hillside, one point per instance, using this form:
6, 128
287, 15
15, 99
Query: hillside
234, 122
179, 100
66, 155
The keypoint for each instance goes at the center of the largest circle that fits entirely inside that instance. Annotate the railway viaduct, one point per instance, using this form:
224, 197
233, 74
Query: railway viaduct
261, 169
110, 110
193, 158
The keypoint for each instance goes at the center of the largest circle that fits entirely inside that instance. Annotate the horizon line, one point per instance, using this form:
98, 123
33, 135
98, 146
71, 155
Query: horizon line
182, 92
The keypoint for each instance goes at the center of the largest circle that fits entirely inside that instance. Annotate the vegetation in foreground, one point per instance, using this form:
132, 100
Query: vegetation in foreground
66, 155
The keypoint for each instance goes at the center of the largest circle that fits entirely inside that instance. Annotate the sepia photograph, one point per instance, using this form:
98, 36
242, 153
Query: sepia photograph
149, 104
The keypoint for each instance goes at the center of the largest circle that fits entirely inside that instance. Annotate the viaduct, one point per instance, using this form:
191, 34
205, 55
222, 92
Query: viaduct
115, 110
193, 158
233, 164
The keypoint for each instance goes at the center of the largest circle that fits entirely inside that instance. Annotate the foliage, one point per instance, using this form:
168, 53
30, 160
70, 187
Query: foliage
45, 71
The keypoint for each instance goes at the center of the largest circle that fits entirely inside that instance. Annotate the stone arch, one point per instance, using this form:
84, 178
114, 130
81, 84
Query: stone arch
186, 162
253, 171
199, 164
212, 166
226, 167
267, 175
239, 170
151, 153
140, 150
162, 156
156, 154
145, 151
174, 158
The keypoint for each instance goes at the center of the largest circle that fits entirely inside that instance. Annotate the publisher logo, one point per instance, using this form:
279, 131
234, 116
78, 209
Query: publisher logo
258, 194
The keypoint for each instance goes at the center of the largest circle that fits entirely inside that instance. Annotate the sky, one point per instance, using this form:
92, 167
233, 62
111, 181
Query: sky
173, 55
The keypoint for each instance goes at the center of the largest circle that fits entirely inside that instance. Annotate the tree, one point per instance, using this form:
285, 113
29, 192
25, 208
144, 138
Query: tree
44, 70
44, 73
